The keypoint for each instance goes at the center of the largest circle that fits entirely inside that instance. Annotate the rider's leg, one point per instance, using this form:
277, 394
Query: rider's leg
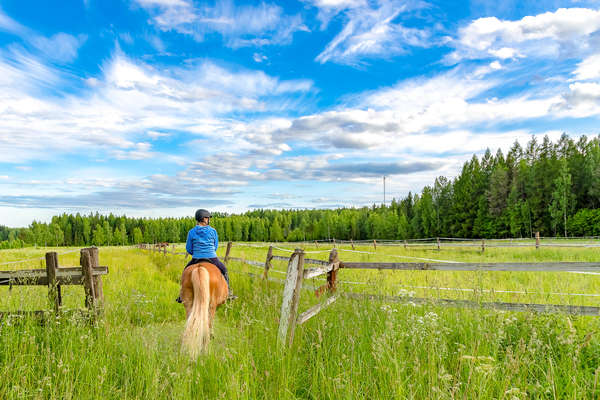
221, 267
223, 270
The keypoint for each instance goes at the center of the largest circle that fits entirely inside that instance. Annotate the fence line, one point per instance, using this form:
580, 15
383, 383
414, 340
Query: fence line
257, 264
296, 274
37, 258
478, 290
439, 242
54, 276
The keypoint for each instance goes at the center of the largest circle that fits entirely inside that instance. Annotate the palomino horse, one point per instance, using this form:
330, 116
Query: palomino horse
203, 288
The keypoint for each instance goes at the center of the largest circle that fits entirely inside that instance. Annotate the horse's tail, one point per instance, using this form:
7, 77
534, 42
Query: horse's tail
197, 332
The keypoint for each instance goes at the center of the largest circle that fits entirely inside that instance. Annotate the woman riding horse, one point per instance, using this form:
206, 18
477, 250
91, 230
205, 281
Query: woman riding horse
204, 283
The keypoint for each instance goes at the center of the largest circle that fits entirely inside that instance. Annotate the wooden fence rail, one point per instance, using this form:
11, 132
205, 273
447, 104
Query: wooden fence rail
531, 267
540, 308
89, 274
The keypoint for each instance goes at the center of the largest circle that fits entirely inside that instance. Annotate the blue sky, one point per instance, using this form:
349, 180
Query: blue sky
158, 107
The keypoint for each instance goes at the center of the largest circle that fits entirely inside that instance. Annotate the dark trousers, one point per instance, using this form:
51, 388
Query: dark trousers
215, 261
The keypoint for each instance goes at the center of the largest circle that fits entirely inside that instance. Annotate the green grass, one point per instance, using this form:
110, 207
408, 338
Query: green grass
352, 350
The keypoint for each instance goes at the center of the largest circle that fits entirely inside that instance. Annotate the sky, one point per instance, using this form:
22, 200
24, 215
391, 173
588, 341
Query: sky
158, 107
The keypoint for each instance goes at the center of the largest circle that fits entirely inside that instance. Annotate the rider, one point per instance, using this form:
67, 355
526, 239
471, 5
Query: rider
202, 244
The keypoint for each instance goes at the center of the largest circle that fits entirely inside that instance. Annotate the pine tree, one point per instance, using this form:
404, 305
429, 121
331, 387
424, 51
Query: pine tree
562, 198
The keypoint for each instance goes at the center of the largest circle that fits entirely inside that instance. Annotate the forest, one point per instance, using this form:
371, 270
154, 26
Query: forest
547, 187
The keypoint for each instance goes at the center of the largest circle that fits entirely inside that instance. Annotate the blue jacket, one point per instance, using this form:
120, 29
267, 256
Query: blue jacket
202, 242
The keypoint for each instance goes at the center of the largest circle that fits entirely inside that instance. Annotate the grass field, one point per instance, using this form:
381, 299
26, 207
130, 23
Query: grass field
352, 350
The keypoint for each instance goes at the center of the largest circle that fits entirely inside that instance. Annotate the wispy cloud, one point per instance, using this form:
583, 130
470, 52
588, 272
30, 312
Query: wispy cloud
59, 47
8, 24
370, 32
240, 26
128, 100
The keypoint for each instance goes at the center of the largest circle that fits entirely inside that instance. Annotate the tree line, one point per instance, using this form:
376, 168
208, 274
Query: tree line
551, 188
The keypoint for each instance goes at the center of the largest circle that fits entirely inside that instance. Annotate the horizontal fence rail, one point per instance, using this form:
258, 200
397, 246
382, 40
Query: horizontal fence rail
64, 276
540, 308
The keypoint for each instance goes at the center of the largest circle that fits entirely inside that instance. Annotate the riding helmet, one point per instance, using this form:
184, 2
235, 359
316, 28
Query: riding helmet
201, 214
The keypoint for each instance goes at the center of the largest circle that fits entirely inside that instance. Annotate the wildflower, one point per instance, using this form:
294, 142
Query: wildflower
485, 368
515, 393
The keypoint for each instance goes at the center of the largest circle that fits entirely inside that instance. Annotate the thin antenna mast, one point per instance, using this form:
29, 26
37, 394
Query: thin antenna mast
384, 190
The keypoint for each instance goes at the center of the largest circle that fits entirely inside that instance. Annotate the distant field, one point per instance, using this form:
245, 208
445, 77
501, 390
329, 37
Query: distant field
354, 349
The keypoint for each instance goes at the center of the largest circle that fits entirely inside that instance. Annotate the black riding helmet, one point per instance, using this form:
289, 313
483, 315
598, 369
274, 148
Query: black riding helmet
201, 214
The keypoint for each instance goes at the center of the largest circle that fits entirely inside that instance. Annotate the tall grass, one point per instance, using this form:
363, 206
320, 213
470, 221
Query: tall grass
352, 350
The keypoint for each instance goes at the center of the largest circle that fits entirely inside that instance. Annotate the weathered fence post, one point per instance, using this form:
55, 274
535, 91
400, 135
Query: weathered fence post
88, 281
53, 287
334, 243
374, 244
291, 296
438, 243
482, 245
165, 249
352, 243
98, 290
332, 275
537, 240
229, 244
268, 262
405, 245
316, 244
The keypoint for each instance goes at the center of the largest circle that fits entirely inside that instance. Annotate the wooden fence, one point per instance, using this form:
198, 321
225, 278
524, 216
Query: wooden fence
437, 243
89, 274
297, 273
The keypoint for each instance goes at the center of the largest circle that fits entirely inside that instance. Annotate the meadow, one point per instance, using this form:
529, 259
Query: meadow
354, 349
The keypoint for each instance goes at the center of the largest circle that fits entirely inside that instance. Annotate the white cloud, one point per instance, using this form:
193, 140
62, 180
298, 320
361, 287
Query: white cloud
240, 25
156, 135
329, 8
128, 100
257, 57
448, 113
61, 47
582, 100
589, 68
372, 32
140, 151
126, 37
566, 31
10, 25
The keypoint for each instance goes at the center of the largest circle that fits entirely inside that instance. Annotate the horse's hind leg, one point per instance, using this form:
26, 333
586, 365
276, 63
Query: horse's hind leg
187, 297
211, 318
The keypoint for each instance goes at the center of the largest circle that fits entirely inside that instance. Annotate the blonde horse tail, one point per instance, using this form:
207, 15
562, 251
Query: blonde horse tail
197, 332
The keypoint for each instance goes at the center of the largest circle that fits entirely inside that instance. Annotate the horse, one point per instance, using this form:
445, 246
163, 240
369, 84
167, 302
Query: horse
203, 289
